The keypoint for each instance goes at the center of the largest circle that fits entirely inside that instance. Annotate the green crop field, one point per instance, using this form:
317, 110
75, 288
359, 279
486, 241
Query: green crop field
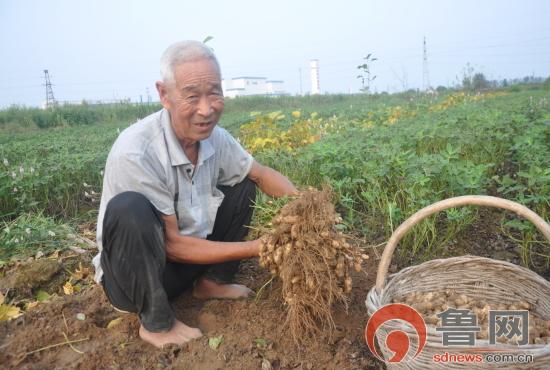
384, 156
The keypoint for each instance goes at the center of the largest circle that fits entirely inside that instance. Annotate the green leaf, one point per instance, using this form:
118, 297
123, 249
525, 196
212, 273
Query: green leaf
215, 342
208, 38
520, 225
42, 296
260, 342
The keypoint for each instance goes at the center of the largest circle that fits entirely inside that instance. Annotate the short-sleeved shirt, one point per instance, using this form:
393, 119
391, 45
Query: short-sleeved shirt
147, 158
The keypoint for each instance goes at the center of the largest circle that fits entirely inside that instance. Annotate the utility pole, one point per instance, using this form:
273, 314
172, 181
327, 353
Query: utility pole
50, 100
148, 95
425, 74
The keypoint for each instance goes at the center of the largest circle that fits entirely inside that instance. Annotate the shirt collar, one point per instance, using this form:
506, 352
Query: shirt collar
175, 151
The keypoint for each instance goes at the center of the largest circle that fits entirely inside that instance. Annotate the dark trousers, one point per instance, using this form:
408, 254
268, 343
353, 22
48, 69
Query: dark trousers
138, 278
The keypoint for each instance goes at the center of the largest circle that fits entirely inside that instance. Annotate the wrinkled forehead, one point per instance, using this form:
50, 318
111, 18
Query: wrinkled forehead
199, 72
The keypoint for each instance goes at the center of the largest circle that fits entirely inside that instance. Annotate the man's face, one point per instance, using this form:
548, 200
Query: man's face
195, 101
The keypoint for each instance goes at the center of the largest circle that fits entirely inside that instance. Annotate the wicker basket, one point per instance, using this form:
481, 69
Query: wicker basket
492, 280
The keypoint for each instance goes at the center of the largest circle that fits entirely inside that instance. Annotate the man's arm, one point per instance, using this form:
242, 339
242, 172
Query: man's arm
270, 181
187, 249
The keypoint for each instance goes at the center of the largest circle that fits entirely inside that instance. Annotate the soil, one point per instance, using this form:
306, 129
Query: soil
252, 334
251, 330
486, 238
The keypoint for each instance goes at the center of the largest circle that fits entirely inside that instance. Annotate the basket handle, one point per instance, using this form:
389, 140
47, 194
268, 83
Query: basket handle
478, 200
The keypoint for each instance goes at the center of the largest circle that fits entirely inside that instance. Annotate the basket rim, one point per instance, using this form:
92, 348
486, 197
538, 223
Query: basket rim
465, 200
466, 259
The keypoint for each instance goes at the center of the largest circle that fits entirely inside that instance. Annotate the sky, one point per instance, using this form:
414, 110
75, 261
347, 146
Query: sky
111, 49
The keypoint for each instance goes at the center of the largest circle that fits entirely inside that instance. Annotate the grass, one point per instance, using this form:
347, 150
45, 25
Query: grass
384, 156
33, 233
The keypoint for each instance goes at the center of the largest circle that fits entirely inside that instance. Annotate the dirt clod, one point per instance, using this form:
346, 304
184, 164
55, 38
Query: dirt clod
31, 275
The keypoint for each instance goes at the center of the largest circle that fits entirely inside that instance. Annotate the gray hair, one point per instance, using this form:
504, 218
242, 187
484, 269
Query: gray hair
182, 52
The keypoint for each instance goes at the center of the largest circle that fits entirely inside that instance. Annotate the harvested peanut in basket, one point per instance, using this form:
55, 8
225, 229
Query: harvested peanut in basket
429, 304
313, 260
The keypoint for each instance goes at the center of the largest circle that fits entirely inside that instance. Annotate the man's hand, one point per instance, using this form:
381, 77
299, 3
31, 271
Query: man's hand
271, 182
187, 249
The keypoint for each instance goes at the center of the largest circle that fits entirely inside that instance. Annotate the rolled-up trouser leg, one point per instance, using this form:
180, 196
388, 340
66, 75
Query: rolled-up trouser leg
232, 219
133, 260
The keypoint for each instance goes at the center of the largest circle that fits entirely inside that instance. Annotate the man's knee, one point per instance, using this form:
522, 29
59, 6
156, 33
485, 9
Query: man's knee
127, 201
131, 209
133, 236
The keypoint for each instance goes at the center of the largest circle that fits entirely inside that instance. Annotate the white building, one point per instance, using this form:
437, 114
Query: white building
275, 87
248, 85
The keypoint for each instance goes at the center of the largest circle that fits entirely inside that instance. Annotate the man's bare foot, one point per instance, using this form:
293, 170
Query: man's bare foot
179, 334
206, 289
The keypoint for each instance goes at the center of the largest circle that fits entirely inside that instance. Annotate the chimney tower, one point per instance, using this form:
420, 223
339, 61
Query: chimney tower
314, 66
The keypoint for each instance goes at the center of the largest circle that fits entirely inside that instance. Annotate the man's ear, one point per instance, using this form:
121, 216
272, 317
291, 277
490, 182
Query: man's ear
163, 94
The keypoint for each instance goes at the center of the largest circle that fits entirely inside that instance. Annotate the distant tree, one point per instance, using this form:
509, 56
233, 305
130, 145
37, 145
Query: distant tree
479, 82
441, 89
472, 80
365, 76
468, 77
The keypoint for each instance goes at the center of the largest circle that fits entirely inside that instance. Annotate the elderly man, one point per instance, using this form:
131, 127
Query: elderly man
177, 195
